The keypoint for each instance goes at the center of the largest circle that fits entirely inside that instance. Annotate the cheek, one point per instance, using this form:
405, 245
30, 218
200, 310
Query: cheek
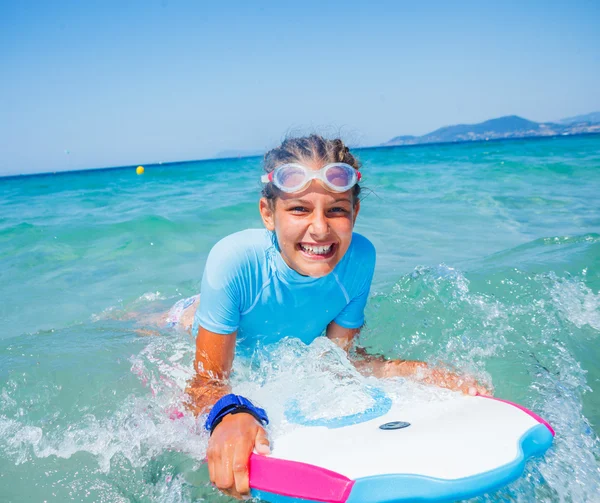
344, 226
286, 231
345, 235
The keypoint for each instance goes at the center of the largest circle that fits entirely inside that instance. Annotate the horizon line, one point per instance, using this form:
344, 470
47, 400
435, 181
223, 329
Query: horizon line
368, 147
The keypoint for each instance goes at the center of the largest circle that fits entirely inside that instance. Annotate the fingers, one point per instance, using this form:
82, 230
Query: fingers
466, 384
240, 468
221, 470
473, 388
220, 476
481, 391
262, 444
229, 449
211, 469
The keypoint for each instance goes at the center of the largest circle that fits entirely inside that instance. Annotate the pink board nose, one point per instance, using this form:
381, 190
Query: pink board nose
298, 480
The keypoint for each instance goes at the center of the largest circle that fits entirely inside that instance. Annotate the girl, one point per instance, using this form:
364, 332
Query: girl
306, 274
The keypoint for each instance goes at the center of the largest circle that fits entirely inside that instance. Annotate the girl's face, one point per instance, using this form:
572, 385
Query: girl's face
313, 227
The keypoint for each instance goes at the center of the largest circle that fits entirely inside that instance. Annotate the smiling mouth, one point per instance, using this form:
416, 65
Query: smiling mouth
318, 251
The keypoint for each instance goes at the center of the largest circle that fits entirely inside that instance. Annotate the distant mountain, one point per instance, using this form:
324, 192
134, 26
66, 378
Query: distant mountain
593, 118
511, 126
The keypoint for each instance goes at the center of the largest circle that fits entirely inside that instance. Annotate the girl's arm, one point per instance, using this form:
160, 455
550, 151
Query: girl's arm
237, 435
214, 359
379, 367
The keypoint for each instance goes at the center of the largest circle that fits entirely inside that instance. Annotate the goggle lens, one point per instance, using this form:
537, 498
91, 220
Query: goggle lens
290, 178
337, 177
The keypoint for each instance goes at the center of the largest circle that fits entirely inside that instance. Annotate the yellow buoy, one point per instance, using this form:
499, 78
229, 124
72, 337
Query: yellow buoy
139, 170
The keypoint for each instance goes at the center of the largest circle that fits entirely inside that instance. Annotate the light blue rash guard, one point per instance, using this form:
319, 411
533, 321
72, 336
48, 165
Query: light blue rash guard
248, 287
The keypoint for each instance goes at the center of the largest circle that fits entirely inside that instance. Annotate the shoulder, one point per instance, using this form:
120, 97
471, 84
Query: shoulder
358, 265
242, 241
362, 251
362, 245
237, 253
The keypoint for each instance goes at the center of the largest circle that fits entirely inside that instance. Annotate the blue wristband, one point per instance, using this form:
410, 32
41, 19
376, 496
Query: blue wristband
233, 404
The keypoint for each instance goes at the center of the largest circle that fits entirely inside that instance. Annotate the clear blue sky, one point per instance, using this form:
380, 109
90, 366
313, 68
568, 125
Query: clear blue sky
141, 81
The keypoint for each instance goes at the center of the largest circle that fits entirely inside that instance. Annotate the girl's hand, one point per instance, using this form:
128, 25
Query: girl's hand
465, 383
420, 371
229, 449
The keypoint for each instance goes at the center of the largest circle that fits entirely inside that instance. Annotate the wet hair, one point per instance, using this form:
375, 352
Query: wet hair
307, 148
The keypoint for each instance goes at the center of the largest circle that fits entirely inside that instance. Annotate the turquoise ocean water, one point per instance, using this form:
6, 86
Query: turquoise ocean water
488, 261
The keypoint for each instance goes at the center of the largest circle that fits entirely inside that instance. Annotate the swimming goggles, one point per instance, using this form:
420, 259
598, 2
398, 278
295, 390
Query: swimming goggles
337, 177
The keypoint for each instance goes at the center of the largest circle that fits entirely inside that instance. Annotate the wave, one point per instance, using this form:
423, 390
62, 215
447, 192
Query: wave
573, 254
532, 335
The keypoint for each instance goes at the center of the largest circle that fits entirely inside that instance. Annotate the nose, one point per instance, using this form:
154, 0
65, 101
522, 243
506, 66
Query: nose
319, 226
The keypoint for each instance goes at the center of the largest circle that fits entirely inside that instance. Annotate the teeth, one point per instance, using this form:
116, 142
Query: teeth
317, 250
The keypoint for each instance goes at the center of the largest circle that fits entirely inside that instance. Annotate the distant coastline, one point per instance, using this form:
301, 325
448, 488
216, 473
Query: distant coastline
503, 128
490, 140
368, 147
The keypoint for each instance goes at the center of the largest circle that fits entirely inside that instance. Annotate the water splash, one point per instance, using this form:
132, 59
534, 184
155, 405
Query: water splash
575, 301
487, 323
